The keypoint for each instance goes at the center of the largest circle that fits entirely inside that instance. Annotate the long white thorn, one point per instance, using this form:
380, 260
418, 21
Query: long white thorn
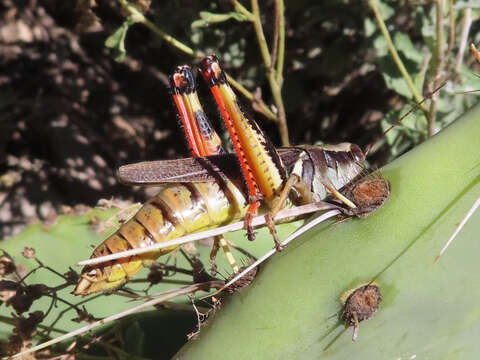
291, 237
161, 298
459, 228
257, 221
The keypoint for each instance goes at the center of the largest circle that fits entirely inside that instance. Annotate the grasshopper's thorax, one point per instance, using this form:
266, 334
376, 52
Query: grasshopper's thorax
334, 165
262, 166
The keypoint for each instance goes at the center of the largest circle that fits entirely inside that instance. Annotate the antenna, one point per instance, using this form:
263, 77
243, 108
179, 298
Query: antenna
414, 108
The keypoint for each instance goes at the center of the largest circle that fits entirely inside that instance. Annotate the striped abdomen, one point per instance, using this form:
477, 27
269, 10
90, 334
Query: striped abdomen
178, 209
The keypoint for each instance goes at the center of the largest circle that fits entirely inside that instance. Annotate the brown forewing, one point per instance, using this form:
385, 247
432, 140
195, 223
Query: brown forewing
201, 169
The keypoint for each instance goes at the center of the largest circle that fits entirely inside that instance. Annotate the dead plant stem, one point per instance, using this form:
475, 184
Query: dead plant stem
466, 24
451, 27
275, 87
438, 63
281, 41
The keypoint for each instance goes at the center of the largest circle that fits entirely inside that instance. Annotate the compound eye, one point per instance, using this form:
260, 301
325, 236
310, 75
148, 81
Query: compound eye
357, 153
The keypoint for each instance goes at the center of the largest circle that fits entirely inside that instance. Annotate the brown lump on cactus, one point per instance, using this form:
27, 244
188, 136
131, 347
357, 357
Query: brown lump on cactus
360, 305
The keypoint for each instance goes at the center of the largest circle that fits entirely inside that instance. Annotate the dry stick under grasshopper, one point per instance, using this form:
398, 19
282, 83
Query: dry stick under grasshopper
256, 221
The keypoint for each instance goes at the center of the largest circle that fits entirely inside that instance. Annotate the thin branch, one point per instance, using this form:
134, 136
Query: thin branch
396, 123
11, 321
139, 17
241, 9
438, 61
275, 35
451, 26
425, 65
466, 24
257, 23
394, 53
164, 281
282, 116
281, 41
432, 117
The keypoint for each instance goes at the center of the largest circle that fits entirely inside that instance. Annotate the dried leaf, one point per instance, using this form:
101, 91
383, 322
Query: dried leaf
7, 266
28, 252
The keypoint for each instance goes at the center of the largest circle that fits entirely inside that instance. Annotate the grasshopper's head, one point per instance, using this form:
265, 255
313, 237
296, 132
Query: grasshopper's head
339, 173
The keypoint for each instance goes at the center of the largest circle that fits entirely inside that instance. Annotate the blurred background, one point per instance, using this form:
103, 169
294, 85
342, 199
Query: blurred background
74, 109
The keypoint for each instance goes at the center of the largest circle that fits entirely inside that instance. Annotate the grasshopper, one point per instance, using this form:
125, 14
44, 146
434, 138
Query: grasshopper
210, 189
